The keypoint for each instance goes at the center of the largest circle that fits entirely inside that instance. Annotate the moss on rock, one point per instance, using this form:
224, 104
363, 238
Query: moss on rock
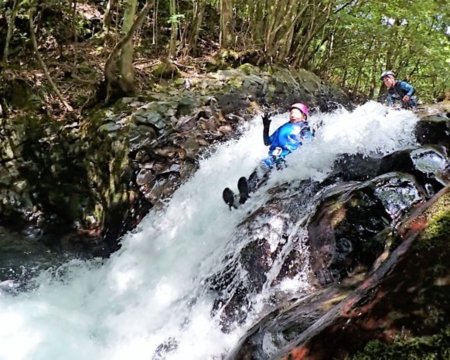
438, 228
434, 347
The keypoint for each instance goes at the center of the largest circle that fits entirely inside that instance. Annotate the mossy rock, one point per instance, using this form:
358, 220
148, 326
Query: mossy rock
249, 69
165, 70
438, 228
433, 347
19, 93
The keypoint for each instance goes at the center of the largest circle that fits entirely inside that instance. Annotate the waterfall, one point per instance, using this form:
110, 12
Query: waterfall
149, 299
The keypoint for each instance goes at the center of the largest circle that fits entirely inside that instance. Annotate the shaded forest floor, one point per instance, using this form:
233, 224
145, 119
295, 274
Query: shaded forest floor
77, 70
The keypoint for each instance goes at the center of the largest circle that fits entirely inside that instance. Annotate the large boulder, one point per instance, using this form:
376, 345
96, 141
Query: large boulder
402, 310
434, 129
356, 236
82, 185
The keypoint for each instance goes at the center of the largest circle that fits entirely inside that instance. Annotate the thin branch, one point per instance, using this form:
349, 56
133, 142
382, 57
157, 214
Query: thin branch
42, 63
343, 6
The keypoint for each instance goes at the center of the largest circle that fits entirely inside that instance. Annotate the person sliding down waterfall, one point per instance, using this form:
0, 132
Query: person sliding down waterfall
286, 139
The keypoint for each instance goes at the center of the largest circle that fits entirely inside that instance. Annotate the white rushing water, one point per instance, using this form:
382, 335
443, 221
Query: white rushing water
152, 289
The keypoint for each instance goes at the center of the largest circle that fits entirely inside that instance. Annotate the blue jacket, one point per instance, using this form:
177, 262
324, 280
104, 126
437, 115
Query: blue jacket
398, 91
286, 139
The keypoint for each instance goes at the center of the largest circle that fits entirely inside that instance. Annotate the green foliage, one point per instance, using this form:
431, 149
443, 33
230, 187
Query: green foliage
416, 348
406, 36
347, 42
175, 19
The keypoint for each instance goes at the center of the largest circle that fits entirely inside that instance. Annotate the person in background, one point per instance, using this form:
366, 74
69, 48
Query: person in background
285, 139
399, 91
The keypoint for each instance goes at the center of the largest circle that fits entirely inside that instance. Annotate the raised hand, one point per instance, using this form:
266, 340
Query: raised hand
266, 119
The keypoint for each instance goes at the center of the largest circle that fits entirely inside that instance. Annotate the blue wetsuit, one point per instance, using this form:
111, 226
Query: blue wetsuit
398, 91
284, 140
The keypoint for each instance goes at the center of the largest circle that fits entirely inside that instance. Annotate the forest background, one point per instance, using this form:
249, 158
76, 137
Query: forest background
76, 53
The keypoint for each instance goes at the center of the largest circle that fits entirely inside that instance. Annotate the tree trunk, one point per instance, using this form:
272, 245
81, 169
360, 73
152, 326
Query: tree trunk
108, 14
198, 11
226, 17
275, 13
111, 78
174, 29
155, 22
317, 23
126, 57
285, 39
74, 32
258, 18
361, 67
11, 26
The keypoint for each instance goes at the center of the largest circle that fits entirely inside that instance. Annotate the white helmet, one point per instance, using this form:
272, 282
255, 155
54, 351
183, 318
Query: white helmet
386, 73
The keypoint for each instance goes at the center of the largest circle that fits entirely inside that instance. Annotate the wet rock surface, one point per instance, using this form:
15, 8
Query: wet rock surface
434, 129
273, 252
364, 235
351, 229
402, 309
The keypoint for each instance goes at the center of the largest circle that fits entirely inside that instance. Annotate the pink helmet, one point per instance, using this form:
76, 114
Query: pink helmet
302, 107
